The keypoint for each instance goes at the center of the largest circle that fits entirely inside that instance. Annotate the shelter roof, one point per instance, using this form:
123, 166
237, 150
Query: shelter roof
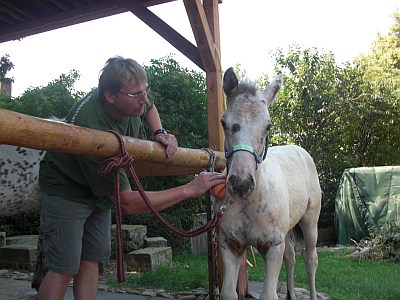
21, 18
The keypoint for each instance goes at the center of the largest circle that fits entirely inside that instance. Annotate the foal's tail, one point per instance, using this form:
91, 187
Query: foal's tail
297, 238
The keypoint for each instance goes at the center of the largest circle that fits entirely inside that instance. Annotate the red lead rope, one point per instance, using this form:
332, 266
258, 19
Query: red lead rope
125, 160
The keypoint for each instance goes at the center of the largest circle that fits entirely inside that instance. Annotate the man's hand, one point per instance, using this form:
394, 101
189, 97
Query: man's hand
169, 141
204, 181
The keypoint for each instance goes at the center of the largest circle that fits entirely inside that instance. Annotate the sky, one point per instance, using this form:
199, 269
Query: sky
250, 30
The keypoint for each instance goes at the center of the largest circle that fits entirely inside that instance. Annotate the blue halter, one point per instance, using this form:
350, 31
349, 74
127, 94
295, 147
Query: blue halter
259, 158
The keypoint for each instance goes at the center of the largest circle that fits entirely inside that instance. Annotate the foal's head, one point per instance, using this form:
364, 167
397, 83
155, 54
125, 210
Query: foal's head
246, 123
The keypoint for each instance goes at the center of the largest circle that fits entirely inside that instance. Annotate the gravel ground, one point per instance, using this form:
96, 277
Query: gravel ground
15, 285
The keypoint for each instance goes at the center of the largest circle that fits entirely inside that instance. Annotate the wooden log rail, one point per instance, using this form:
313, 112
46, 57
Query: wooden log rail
22, 130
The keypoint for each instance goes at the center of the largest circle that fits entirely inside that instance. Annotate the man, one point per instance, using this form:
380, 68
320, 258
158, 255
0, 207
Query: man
76, 215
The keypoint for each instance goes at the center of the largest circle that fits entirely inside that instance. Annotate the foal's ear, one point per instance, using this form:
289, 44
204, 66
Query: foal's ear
230, 81
272, 91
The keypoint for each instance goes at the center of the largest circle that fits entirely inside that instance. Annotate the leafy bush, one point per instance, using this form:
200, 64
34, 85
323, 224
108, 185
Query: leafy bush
21, 224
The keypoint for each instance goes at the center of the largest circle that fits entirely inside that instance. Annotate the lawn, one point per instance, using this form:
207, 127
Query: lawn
339, 276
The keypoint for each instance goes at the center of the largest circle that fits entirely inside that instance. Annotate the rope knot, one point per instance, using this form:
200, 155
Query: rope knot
122, 160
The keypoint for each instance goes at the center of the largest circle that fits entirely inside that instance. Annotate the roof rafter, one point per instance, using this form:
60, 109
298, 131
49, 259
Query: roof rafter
165, 31
202, 34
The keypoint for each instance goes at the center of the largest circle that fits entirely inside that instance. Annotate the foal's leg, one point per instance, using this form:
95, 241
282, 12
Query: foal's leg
310, 233
231, 264
290, 259
273, 262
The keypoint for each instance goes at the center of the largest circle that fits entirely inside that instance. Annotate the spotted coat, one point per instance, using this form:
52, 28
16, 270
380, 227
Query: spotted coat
19, 179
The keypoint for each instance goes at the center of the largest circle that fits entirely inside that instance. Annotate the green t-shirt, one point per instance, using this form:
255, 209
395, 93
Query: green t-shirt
76, 177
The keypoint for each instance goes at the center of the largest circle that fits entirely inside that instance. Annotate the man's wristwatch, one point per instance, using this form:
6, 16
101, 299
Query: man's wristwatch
158, 131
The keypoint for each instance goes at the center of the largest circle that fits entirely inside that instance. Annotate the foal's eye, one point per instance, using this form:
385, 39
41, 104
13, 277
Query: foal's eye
269, 127
223, 124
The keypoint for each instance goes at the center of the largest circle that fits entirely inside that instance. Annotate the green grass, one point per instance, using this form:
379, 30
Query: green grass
339, 276
345, 278
188, 272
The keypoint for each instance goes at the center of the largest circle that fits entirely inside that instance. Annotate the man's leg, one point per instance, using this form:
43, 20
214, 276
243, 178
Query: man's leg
85, 282
96, 247
53, 286
62, 229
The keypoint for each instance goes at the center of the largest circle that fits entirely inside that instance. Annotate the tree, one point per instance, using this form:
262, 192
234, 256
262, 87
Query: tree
305, 113
344, 116
369, 117
378, 74
53, 100
395, 28
5, 66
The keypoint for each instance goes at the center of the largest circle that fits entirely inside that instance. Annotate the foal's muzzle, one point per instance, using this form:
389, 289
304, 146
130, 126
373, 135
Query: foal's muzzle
241, 187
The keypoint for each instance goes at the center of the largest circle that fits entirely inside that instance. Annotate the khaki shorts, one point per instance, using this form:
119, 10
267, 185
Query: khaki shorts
73, 232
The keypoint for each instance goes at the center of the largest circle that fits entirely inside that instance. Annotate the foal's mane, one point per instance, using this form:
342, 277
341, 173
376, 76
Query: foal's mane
243, 88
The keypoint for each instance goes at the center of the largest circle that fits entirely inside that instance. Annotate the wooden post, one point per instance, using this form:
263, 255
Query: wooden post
31, 132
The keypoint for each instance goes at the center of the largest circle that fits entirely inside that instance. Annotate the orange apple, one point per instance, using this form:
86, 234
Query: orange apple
219, 191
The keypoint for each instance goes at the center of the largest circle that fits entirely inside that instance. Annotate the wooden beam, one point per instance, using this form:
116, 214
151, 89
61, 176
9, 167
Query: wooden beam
68, 17
212, 14
202, 34
144, 169
165, 31
26, 131
215, 94
215, 110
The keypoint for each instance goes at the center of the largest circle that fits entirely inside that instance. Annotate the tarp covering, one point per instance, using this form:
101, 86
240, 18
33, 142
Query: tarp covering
367, 199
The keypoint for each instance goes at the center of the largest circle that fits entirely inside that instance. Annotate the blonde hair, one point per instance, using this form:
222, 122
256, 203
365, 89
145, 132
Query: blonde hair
116, 71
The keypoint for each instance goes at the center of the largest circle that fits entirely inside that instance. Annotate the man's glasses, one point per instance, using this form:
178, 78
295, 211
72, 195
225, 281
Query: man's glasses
135, 95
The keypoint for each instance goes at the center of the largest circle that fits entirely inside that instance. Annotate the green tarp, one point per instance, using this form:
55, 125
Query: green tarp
367, 199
